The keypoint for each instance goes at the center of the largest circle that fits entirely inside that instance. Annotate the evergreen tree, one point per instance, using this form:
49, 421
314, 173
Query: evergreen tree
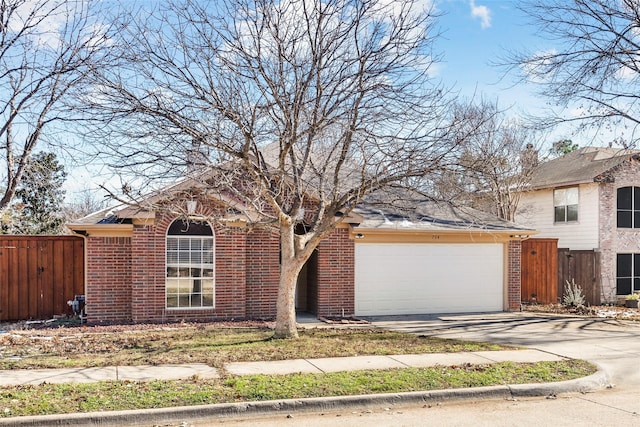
38, 205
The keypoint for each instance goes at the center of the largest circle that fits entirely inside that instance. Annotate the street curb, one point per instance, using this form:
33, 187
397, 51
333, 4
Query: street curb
192, 414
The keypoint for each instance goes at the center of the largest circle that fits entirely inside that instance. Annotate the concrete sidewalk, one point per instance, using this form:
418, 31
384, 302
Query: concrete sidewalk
280, 367
207, 413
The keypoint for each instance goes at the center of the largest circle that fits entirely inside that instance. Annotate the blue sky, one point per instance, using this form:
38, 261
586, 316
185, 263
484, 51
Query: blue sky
476, 33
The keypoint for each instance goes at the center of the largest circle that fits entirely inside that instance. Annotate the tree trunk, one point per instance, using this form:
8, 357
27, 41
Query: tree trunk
290, 266
286, 307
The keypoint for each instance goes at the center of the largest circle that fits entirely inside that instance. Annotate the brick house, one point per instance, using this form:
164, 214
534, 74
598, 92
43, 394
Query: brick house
156, 266
590, 200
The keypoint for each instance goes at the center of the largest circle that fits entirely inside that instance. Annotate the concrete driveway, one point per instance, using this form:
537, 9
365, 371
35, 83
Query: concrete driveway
612, 344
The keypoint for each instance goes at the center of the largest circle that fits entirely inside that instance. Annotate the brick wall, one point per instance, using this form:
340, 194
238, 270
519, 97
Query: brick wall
263, 273
335, 275
126, 276
108, 279
615, 240
514, 270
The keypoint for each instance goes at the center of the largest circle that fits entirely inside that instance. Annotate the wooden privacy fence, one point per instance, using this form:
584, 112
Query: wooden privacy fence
39, 274
539, 271
584, 268
545, 270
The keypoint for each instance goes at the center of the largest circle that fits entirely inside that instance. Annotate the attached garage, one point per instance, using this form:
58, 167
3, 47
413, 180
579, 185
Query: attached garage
435, 258
422, 278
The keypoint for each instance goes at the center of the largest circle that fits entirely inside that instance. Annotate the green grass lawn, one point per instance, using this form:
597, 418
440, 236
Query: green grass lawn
122, 395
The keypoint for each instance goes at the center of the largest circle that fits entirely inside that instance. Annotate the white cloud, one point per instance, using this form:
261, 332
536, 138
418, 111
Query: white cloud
481, 12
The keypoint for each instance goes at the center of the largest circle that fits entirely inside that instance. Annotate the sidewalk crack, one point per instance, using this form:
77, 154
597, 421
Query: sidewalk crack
399, 361
314, 365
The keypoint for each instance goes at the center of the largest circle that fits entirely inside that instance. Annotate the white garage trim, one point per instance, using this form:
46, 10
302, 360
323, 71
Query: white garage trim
422, 278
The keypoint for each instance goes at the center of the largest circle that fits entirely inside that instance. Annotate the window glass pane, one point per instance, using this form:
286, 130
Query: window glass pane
624, 219
623, 265
172, 286
172, 272
196, 257
172, 244
207, 245
636, 219
196, 300
207, 272
636, 285
624, 198
185, 286
207, 287
183, 257
207, 300
623, 286
184, 301
636, 265
172, 301
572, 213
572, 196
560, 197
172, 257
636, 198
183, 244
196, 245
559, 212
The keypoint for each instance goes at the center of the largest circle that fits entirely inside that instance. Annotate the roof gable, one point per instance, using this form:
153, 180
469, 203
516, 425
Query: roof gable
588, 164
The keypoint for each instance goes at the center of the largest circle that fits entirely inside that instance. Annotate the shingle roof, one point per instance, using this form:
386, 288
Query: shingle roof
104, 216
587, 164
431, 215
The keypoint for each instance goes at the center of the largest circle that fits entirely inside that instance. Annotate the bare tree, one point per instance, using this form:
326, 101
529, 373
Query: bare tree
46, 49
498, 157
83, 203
592, 62
301, 107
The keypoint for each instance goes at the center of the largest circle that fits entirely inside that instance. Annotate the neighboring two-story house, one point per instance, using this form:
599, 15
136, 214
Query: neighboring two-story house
590, 200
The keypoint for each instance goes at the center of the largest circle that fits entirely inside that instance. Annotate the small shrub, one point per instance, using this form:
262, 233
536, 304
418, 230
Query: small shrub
573, 295
632, 297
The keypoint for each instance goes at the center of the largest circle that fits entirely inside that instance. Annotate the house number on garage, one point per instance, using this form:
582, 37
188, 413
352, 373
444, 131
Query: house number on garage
435, 237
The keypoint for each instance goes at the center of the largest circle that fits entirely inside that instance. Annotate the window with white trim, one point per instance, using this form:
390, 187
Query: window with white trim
190, 281
565, 204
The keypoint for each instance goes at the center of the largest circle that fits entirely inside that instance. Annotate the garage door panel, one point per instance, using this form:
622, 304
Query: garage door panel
428, 278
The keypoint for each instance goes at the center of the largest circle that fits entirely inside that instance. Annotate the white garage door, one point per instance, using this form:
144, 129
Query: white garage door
427, 278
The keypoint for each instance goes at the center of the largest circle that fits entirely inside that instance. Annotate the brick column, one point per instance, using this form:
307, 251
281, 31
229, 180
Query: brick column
514, 270
335, 272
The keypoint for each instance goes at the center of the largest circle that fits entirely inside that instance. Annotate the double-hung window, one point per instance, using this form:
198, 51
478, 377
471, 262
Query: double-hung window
190, 281
628, 202
565, 204
627, 274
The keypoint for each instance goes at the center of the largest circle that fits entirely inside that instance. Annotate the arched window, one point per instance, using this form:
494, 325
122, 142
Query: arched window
628, 201
190, 265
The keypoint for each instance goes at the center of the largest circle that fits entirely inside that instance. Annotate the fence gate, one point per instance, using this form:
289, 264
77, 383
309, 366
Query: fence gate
39, 274
584, 268
539, 271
